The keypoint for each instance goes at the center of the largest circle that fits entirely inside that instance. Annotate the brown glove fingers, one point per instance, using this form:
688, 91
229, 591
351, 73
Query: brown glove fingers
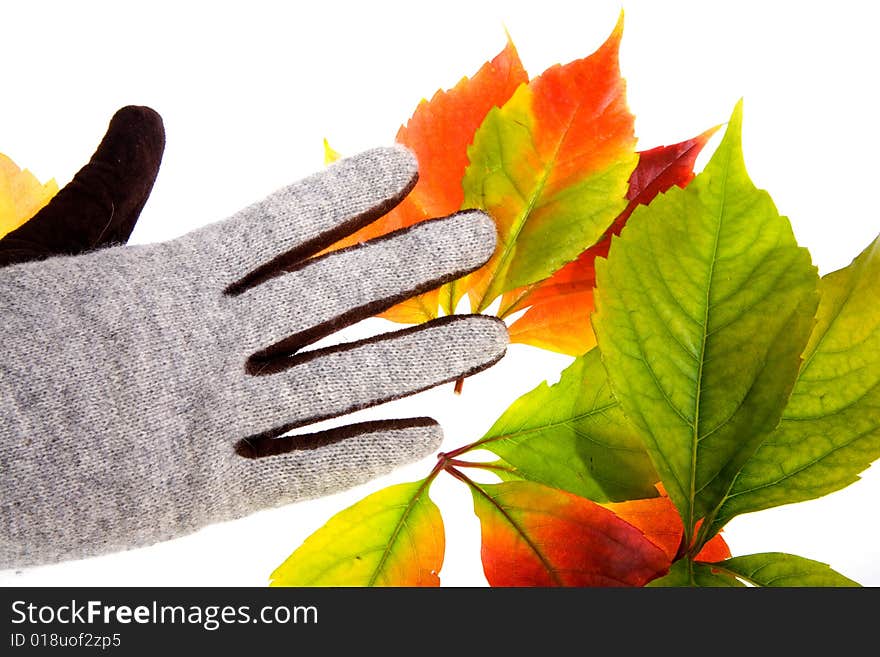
102, 203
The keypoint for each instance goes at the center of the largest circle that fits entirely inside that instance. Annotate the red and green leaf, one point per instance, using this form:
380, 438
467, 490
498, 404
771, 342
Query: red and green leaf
558, 315
551, 166
550, 160
393, 537
534, 535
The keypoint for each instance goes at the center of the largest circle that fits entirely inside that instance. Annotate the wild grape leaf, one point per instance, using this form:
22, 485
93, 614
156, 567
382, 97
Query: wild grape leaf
780, 569
439, 133
659, 521
393, 537
688, 573
830, 429
558, 315
534, 535
704, 307
21, 195
573, 435
551, 166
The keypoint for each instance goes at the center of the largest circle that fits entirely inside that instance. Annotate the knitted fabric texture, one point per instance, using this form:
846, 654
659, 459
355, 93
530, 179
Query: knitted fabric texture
129, 392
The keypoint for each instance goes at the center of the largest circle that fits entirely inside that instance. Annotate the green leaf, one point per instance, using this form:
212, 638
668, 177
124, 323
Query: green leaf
780, 569
573, 435
690, 573
705, 305
830, 430
393, 537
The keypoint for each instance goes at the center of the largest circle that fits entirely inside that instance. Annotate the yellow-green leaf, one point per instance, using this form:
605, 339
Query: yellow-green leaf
830, 430
777, 569
391, 538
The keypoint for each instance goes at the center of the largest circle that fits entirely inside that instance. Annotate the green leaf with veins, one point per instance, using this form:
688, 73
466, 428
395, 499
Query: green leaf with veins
704, 307
780, 569
573, 435
830, 430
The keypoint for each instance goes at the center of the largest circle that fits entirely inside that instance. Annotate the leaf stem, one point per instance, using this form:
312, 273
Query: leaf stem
458, 451
477, 464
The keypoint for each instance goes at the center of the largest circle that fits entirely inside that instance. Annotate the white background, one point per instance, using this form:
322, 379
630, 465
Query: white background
248, 92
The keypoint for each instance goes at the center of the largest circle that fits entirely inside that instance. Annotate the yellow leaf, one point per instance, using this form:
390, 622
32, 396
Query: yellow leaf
21, 195
330, 155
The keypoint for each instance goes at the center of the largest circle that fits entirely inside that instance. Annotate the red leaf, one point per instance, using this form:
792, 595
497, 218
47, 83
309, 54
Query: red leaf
534, 535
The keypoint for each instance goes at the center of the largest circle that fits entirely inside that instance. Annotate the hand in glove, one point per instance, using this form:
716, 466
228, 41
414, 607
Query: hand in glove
101, 205
144, 390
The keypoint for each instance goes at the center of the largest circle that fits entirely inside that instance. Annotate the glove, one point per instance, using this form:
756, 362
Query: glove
101, 205
144, 390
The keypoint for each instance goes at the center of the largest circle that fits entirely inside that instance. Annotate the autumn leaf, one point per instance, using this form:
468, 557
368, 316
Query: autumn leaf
393, 537
558, 309
439, 133
551, 166
21, 195
704, 307
659, 521
534, 535
549, 159
715, 549
331, 155
573, 435
830, 429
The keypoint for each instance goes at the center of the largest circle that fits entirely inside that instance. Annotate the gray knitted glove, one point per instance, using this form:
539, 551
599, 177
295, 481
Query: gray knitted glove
143, 389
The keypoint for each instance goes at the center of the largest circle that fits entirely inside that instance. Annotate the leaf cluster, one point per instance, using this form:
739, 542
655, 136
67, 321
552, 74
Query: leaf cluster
716, 373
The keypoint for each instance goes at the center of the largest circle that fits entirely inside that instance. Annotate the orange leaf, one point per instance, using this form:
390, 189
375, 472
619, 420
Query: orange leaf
534, 535
439, 133
658, 519
558, 315
714, 550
